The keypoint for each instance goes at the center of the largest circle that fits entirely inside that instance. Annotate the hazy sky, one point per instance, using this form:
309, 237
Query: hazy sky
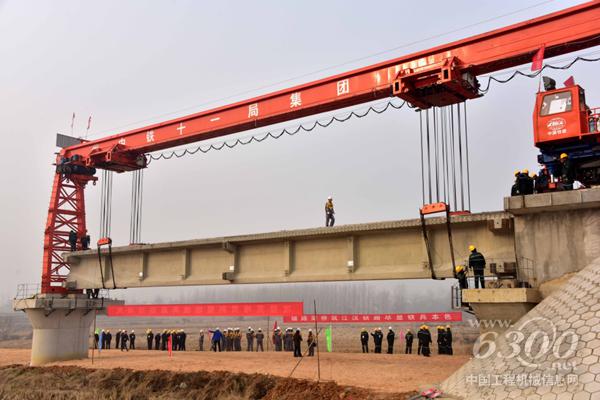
125, 62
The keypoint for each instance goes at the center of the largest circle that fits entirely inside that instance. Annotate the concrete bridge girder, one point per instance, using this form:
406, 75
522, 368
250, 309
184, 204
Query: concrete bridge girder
372, 251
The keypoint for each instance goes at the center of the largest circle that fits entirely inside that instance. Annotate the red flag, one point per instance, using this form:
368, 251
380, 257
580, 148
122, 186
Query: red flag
170, 346
570, 81
538, 59
275, 325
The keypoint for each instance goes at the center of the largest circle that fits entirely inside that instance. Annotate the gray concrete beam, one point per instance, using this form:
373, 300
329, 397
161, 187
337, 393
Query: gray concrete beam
384, 250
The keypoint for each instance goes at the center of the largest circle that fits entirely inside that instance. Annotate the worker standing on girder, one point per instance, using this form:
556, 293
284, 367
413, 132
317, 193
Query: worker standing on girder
364, 340
73, 240
525, 183
461, 275
543, 180
409, 341
477, 264
514, 191
565, 172
329, 212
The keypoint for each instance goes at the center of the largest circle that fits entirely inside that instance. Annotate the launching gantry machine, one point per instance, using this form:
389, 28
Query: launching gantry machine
436, 77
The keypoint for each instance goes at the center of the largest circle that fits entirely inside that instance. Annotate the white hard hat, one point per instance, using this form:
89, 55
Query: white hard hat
390, 328
329, 198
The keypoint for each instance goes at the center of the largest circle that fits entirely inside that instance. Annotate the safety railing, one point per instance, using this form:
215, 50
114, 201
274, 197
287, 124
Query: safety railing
593, 120
27, 291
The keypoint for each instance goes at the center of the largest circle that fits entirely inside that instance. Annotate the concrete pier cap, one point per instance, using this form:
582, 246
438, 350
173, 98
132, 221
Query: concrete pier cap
61, 324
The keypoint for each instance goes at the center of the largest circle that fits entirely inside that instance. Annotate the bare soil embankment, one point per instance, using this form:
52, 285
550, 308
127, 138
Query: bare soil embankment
70, 382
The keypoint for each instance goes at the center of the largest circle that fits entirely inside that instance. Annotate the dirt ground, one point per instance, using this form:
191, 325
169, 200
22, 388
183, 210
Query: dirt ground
75, 383
396, 373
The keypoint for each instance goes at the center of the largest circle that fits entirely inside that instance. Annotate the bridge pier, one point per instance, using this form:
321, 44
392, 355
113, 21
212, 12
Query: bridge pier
61, 325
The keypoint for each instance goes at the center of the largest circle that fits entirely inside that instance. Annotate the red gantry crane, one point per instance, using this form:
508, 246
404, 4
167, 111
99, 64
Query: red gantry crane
436, 77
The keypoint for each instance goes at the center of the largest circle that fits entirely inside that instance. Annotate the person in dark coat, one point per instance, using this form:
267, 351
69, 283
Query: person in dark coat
149, 338
514, 191
297, 338
250, 339
73, 240
449, 350
565, 172
117, 339
543, 180
163, 340
124, 340
377, 339
216, 340
311, 342
477, 263
131, 340
461, 275
441, 340
424, 337
183, 339
391, 335
364, 340
278, 339
409, 341
260, 336
108, 339
420, 339
157, 341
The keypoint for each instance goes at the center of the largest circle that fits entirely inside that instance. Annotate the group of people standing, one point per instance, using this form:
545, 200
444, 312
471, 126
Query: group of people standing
444, 340
124, 341
563, 170
231, 339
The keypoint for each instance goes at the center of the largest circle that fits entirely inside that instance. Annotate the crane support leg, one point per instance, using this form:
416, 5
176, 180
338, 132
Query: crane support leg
65, 213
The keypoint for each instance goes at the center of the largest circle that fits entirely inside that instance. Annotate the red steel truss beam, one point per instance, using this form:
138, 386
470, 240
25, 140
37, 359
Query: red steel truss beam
561, 32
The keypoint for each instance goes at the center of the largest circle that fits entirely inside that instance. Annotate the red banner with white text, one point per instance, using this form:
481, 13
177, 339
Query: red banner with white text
208, 310
442, 317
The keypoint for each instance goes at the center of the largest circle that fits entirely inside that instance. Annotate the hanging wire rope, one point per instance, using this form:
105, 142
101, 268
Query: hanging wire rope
493, 78
307, 127
105, 203
447, 172
135, 222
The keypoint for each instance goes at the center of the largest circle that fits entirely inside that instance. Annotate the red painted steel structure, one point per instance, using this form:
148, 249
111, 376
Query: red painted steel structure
438, 76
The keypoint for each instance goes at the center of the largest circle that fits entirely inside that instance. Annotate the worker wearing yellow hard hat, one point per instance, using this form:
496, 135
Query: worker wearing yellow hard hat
477, 264
565, 171
461, 275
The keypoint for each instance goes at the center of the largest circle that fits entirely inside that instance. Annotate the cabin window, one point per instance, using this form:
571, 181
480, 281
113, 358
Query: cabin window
556, 103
